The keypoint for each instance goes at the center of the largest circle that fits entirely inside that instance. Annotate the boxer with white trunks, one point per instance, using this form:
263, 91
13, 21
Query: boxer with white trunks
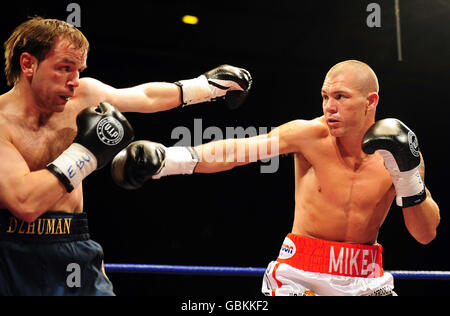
348, 169
309, 266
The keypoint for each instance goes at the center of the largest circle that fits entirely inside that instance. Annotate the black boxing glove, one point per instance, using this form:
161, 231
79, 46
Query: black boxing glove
225, 82
144, 160
400, 150
102, 132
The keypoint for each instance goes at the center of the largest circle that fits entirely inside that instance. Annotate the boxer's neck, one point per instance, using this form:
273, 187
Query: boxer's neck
350, 148
26, 106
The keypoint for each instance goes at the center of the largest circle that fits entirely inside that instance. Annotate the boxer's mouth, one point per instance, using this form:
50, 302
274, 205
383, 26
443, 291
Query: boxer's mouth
333, 123
332, 120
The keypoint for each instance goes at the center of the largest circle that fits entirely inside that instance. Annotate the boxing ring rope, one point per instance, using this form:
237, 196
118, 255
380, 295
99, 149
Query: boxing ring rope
245, 271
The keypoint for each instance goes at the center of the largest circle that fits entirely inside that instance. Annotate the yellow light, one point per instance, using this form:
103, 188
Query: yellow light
190, 19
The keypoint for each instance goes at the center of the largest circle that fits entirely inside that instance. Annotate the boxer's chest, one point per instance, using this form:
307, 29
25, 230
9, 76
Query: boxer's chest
347, 181
41, 146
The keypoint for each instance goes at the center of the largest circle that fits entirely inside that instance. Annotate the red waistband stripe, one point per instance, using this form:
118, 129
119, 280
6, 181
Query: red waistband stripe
322, 256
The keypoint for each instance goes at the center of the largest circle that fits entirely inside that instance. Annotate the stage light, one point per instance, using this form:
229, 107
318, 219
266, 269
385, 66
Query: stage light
190, 19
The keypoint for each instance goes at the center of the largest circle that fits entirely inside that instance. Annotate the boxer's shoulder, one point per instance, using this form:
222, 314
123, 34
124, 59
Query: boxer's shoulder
319, 127
91, 92
87, 83
308, 129
298, 135
91, 87
5, 131
7, 104
5, 118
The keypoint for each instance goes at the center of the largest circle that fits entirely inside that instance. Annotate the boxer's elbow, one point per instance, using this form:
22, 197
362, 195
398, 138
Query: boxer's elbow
25, 208
425, 235
24, 213
425, 239
422, 221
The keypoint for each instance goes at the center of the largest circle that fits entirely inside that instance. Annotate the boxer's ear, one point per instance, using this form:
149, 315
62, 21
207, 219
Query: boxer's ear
372, 99
28, 64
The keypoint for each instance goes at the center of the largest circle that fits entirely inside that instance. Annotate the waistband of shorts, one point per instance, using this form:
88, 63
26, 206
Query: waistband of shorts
49, 227
337, 258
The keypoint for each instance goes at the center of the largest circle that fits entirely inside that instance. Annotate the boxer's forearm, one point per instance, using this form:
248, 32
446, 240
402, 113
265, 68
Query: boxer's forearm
422, 220
159, 96
226, 154
214, 157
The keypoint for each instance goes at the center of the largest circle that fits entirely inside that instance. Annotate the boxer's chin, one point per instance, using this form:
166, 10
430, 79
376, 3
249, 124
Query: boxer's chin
336, 131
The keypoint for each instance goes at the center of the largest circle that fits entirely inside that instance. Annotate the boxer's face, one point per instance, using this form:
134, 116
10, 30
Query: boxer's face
344, 106
57, 76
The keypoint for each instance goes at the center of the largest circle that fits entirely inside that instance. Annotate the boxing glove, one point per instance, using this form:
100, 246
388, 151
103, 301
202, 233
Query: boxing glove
144, 160
102, 132
399, 147
225, 82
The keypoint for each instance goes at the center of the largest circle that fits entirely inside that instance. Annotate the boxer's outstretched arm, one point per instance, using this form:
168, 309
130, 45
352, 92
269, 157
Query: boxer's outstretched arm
226, 82
288, 138
145, 98
144, 160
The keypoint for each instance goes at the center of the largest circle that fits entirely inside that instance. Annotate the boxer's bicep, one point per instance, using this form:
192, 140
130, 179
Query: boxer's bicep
148, 98
144, 98
292, 137
296, 136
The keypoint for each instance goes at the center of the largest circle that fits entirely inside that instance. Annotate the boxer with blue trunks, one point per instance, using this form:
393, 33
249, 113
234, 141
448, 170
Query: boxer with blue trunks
52, 136
51, 256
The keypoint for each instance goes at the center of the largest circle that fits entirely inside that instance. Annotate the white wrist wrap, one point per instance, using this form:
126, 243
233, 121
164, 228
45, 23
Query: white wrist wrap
406, 183
195, 90
179, 160
76, 163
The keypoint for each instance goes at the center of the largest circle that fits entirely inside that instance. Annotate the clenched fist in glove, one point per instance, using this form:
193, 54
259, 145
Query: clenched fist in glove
143, 160
399, 147
226, 82
102, 132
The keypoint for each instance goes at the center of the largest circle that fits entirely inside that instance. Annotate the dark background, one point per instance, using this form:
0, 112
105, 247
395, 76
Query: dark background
240, 217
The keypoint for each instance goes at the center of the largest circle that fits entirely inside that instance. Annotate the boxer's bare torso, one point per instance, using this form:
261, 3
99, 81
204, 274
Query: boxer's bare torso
339, 197
38, 123
38, 143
